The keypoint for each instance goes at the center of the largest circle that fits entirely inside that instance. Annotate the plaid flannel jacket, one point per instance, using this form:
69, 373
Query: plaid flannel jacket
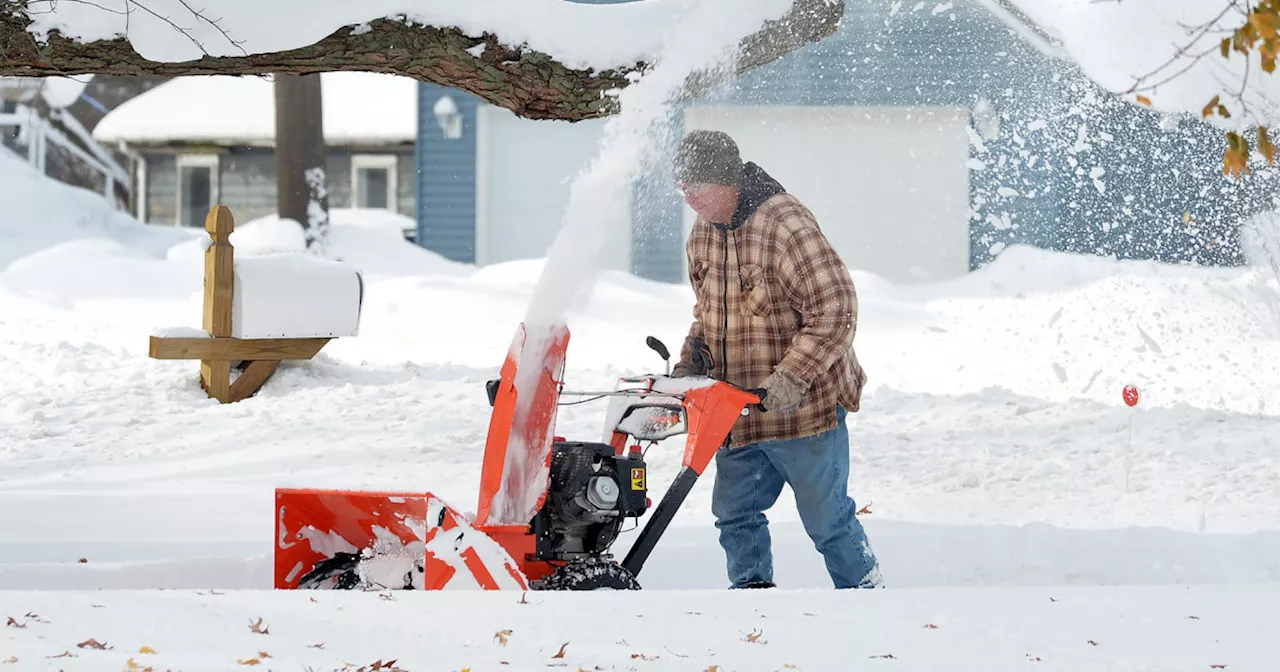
774, 293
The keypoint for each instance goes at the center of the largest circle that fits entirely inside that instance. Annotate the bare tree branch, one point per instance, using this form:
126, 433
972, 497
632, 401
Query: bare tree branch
1195, 34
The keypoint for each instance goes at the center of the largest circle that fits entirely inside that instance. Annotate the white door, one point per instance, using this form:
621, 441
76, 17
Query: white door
889, 186
524, 169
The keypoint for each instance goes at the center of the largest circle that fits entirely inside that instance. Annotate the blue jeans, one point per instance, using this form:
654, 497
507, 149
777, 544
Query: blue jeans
748, 482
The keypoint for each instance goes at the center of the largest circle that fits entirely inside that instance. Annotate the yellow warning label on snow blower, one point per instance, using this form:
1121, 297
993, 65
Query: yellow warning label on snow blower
637, 478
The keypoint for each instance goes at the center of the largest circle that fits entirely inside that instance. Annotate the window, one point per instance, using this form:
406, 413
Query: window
197, 188
373, 181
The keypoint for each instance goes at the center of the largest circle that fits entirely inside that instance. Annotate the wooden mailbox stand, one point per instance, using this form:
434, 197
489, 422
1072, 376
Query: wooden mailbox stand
257, 357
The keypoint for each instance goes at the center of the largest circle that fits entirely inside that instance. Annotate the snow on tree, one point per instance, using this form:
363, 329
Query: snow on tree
542, 59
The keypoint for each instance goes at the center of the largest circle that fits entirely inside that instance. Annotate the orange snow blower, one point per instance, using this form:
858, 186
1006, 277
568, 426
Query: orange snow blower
549, 510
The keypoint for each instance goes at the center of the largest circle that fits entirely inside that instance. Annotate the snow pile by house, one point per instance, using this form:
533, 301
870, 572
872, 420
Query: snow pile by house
39, 213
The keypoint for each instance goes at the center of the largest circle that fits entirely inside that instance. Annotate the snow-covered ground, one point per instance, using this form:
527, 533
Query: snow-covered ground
1015, 501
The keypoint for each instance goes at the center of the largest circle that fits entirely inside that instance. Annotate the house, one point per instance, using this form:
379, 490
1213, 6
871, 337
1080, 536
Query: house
201, 140
926, 137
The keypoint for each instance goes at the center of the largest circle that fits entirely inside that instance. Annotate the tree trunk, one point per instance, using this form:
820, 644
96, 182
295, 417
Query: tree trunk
301, 193
529, 83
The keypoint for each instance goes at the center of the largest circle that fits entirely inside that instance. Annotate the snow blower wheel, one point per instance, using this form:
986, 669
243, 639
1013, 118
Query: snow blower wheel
589, 574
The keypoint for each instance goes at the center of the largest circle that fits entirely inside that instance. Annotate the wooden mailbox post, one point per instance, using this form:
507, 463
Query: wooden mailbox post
256, 358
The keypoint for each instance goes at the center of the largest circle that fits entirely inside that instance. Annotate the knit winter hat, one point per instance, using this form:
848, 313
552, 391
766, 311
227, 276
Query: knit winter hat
708, 157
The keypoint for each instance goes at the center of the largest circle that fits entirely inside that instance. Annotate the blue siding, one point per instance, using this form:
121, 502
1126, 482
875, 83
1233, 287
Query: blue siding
657, 230
446, 177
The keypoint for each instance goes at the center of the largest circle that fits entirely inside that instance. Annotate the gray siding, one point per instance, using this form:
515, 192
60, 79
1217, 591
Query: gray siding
248, 184
162, 186
446, 178
247, 181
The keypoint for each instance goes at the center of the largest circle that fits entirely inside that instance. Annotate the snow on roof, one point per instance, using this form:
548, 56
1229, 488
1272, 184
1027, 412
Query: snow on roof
358, 108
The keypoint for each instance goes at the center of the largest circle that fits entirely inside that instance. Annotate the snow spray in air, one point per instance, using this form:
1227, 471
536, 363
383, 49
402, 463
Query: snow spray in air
703, 40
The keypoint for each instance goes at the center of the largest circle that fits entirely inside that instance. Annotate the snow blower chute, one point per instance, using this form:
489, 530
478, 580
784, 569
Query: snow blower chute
549, 510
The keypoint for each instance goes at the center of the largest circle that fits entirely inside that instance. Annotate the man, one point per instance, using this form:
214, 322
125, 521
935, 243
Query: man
776, 310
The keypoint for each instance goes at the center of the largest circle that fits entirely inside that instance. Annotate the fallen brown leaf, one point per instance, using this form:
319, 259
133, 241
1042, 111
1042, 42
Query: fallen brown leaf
64, 654
11, 660
389, 666
257, 627
931, 626
864, 510
754, 637
316, 646
147, 649
560, 653
263, 655
641, 656
713, 668
83, 560
35, 617
249, 662
502, 636
93, 644
14, 624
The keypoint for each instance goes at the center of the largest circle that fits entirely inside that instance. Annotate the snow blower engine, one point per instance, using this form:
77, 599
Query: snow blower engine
550, 509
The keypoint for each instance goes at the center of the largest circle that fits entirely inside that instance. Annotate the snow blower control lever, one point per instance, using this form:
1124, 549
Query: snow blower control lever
578, 493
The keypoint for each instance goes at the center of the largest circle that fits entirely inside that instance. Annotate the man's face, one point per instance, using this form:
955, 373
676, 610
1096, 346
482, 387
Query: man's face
716, 203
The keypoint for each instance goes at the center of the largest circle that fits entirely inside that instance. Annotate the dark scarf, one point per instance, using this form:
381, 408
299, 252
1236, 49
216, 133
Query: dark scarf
757, 187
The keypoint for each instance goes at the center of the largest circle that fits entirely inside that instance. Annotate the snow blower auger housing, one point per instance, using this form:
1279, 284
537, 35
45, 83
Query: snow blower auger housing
550, 509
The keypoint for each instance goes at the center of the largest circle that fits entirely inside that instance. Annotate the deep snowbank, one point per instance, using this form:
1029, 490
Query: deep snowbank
39, 213
1059, 326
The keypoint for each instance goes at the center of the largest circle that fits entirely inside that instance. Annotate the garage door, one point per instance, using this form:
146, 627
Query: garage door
524, 169
889, 186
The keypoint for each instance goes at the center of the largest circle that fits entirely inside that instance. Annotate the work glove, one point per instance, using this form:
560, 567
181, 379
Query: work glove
782, 393
700, 361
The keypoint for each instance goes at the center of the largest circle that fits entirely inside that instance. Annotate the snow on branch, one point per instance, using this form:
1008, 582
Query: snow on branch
542, 59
